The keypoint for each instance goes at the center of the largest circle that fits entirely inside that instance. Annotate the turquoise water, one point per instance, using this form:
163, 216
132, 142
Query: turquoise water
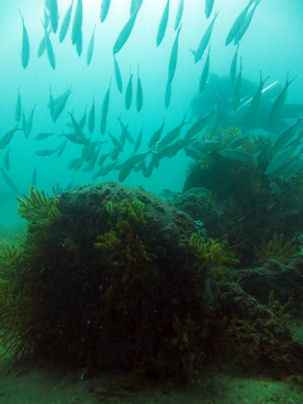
272, 43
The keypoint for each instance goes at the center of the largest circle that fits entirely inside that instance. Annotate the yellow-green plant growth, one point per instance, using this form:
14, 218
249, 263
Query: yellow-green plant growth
38, 209
211, 252
279, 248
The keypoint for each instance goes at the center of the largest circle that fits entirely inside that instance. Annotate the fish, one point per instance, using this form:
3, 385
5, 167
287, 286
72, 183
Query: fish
281, 160
104, 170
280, 100
42, 47
246, 23
27, 128
179, 14
57, 106
139, 95
18, 109
129, 92
72, 137
46, 152
129, 164
135, 6
34, 177
204, 40
25, 54
78, 131
66, 22
61, 148
43, 135
167, 98
93, 157
205, 73
77, 23
125, 134
235, 28
91, 118
287, 134
209, 4
233, 67
255, 101
6, 159
105, 5
156, 135
172, 135
52, 7
46, 17
235, 154
124, 34
198, 126
90, 49
173, 57
49, 48
118, 75
82, 120
237, 89
105, 106
79, 44
7, 137
9, 181
138, 141
163, 24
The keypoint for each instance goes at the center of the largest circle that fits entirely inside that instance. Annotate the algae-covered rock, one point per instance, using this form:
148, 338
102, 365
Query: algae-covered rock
110, 283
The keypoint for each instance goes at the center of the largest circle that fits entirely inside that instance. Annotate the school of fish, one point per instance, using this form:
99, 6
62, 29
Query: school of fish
103, 155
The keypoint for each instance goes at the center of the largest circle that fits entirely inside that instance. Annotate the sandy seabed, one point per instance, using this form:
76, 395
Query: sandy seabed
25, 384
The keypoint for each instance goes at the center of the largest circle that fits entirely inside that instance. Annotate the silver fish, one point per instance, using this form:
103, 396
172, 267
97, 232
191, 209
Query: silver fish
90, 49
235, 154
237, 89
173, 57
204, 74
82, 120
6, 159
52, 8
237, 24
129, 92
233, 67
78, 130
204, 40
34, 177
91, 118
49, 48
57, 106
280, 100
77, 23
25, 55
118, 75
163, 24
138, 141
66, 22
246, 23
287, 134
167, 98
209, 4
29, 123
104, 9
18, 109
61, 148
7, 138
124, 34
255, 101
46, 152
139, 95
79, 44
43, 135
135, 6
179, 14
105, 106
125, 134
172, 135
198, 126
129, 164
42, 47
9, 181
156, 136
